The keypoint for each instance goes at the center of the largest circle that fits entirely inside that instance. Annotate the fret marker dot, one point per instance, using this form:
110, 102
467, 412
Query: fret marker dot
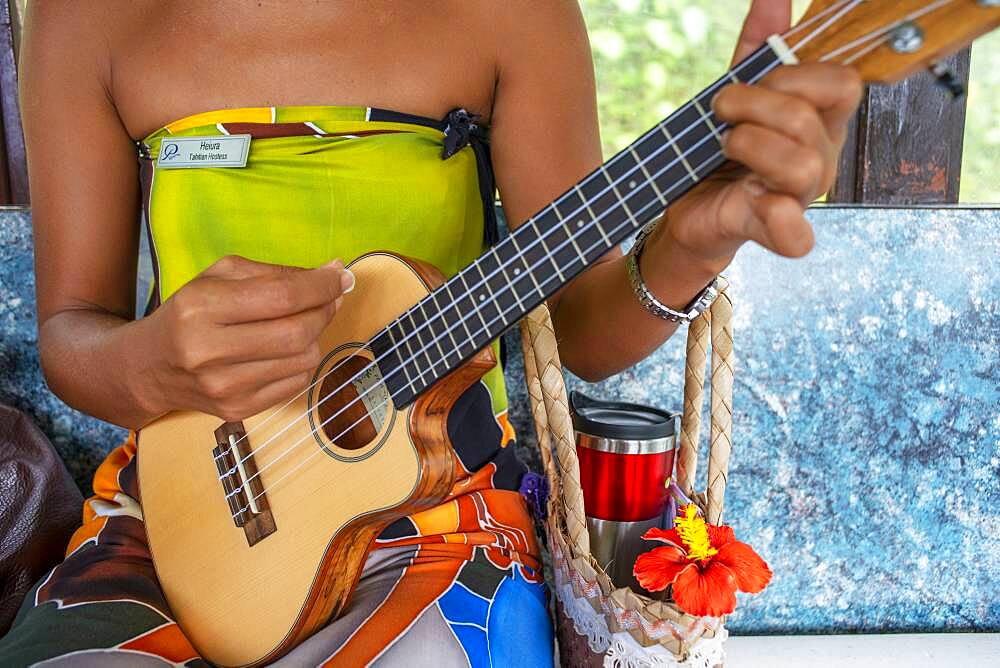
517, 270
579, 223
632, 184
482, 298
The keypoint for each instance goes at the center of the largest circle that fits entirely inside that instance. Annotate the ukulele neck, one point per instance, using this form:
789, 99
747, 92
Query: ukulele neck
475, 306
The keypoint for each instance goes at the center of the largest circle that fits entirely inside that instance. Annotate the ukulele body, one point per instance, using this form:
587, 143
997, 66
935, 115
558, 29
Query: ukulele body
245, 595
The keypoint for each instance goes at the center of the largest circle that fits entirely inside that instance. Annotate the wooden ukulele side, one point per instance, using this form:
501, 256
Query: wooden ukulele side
428, 427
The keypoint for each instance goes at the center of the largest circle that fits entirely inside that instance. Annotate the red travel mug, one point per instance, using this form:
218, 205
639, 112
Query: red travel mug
626, 454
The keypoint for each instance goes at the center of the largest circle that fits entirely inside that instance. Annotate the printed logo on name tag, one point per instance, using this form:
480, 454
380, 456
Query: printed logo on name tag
213, 151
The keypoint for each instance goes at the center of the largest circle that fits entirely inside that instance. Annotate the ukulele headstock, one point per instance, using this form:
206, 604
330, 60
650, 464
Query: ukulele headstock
887, 40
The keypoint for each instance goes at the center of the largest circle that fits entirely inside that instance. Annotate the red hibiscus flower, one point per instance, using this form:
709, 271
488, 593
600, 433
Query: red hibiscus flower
705, 564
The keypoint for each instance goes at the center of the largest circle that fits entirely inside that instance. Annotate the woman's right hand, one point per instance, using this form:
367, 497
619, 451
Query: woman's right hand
240, 337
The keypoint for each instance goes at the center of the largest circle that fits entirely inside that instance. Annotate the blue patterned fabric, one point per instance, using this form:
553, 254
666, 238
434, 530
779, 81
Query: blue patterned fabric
508, 627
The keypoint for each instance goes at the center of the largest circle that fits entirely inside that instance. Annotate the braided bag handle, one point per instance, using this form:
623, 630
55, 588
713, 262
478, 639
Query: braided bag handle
649, 622
721, 444
715, 325
554, 426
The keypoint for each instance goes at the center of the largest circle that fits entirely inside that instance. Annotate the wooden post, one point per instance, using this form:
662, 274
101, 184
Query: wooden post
14, 166
905, 146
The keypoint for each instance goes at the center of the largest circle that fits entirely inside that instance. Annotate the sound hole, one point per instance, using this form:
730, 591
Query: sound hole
358, 409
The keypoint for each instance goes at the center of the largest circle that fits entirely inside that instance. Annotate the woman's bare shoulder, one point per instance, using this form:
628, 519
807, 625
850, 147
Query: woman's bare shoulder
66, 39
528, 32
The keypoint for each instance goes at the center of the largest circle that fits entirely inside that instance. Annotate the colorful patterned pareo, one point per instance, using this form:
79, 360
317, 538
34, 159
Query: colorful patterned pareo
456, 585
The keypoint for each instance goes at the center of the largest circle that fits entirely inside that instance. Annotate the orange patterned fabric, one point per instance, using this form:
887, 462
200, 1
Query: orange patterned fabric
453, 568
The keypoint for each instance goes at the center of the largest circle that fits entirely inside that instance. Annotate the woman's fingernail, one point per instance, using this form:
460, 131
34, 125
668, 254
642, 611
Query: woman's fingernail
724, 139
347, 281
334, 264
754, 187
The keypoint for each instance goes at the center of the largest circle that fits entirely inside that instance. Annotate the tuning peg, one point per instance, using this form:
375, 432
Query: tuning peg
947, 80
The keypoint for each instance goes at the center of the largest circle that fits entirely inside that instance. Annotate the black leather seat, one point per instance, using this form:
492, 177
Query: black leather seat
40, 508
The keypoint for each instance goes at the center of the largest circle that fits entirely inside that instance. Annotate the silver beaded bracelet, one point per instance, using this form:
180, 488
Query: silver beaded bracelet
697, 306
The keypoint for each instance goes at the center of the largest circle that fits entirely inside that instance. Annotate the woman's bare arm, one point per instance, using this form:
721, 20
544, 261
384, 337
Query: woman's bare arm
545, 138
237, 339
85, 202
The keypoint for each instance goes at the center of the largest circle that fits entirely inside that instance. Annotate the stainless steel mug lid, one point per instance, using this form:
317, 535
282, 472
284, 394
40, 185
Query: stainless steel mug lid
618, 420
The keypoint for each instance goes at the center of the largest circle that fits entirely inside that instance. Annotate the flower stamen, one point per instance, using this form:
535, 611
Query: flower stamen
694, 534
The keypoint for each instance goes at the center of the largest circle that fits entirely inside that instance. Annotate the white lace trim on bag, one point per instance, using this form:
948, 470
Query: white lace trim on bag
628, 620
625, 652
620, 649
586, 622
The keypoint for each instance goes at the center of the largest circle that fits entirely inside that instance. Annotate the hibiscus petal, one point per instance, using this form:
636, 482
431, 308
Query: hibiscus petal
708, 591
669, 536
751, 572
657, 568
720, 535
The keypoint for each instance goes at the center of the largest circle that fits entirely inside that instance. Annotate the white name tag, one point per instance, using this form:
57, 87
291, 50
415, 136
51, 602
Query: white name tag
214, 151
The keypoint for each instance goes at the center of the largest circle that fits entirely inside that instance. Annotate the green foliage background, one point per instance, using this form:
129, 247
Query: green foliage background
651, 56
980, 182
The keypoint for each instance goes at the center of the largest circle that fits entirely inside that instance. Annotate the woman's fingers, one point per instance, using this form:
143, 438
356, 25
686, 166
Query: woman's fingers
781, 164
199, 347
798, 100
244, 335
234, 383
237, 267
240, 407
272, 339
765, 18
274, 295
235, 289
779, 224
834, 90
790, 128
789, 114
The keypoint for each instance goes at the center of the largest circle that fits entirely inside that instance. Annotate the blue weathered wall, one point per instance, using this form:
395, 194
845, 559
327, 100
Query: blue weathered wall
866, 468
866, 461
82, 441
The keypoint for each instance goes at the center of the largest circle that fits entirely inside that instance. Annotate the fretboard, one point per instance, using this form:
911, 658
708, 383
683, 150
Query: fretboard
613, 202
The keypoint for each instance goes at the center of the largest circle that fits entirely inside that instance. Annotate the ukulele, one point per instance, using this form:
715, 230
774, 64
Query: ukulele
287, 503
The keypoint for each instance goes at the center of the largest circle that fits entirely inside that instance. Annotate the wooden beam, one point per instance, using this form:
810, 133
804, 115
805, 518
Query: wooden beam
905, 146
14, 166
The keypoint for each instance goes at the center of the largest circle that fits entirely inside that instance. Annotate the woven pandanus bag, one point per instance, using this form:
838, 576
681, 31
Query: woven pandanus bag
597, 623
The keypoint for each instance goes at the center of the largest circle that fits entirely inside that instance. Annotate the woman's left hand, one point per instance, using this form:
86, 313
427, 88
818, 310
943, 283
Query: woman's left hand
786, 136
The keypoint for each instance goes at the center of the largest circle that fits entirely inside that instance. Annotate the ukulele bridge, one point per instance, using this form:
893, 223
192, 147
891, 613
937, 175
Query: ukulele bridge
241, 485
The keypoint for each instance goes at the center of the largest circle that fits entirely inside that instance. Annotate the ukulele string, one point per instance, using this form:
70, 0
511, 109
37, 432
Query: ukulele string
802, 26
500, 316
426, 347
819, 17
295, 445
484, 328
837, 7
868, 49
884, 33
483, 280
841, 13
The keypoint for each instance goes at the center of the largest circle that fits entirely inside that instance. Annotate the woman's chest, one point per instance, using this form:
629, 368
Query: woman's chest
174, 59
